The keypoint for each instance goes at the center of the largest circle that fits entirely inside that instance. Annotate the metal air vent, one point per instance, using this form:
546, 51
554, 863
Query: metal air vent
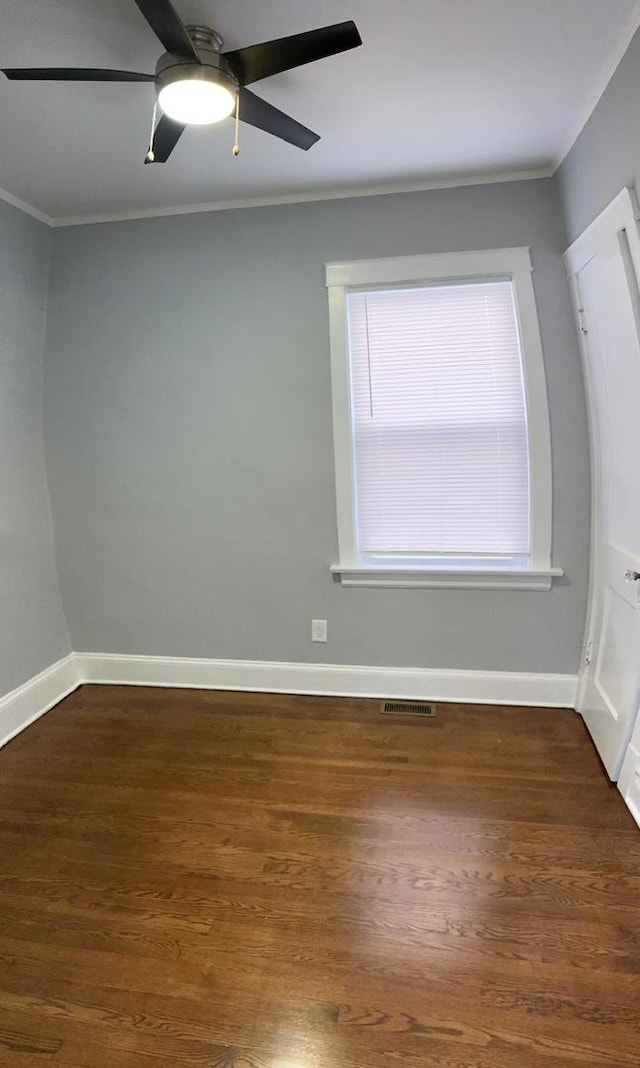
407, 708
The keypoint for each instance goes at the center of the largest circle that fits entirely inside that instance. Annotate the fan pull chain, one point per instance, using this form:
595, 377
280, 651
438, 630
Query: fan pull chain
236, 147
150, 158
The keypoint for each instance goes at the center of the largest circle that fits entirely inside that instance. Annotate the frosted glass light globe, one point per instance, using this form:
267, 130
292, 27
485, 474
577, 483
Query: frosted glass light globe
195, 101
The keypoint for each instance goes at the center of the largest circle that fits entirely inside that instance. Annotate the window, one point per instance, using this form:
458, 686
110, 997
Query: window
443, 466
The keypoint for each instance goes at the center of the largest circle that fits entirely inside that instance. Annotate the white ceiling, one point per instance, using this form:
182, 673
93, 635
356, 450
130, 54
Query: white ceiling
441, 89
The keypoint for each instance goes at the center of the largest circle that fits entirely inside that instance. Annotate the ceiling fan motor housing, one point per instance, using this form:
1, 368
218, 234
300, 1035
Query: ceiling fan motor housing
212, 66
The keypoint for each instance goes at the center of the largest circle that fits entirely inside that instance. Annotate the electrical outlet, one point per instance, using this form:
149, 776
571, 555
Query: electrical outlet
318, 630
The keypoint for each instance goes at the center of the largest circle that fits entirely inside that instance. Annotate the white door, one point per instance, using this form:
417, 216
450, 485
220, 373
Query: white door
605, 265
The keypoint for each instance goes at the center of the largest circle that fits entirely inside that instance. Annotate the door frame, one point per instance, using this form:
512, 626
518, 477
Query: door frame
623, 213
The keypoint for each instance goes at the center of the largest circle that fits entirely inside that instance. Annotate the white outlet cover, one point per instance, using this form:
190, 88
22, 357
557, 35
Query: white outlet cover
318, 630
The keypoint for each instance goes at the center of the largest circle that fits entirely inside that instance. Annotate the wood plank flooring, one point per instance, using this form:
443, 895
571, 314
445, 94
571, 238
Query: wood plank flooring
261, 881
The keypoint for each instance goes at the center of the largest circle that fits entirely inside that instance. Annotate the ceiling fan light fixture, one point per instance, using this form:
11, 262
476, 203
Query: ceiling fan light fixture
198, 84
197, 101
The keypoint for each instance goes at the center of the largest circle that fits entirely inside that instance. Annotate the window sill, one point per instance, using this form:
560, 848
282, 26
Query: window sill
467, 578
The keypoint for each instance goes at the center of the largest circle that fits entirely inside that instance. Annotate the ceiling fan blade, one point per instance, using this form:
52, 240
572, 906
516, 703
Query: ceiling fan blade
166, 136
168, 27
255, 111
73, 74
272, 57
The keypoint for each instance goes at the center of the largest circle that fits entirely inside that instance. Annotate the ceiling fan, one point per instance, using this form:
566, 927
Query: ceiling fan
196, 83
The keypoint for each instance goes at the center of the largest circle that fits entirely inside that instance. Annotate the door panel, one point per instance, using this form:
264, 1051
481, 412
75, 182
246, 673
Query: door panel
611, 679
609, 300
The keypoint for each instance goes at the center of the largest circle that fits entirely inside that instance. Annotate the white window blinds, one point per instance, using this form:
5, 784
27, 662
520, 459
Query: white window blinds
440, 446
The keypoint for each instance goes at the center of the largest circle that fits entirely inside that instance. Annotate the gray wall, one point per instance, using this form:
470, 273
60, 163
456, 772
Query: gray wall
606, 156
33, 632
189, 444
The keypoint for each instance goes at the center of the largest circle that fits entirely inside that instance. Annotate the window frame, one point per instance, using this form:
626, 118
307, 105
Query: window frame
532, 572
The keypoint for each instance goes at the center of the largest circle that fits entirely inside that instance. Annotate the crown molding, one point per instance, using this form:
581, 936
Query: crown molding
303, 198
599, 87
28, 209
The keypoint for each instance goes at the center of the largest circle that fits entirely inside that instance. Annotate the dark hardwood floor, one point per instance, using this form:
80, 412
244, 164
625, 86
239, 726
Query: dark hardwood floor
250, 881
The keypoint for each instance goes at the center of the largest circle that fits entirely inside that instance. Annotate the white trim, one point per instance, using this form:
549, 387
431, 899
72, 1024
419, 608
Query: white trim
432, 266
28, 209
620, 214
342, 435
304, 198
539, 428
594, 570
615, 58
339, 680
629, 781
514, 263
28, 702
465, 578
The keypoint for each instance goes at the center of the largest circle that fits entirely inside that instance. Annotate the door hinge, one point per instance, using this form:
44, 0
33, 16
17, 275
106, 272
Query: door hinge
581, 320
588, 653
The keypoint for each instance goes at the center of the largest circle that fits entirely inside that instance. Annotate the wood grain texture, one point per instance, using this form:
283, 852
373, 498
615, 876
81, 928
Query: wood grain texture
194, 878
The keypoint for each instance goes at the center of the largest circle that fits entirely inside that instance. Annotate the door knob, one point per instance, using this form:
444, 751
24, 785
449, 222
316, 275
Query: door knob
632, 576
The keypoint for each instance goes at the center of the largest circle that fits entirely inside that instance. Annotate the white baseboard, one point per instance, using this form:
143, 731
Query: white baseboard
28, 702
477, 687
